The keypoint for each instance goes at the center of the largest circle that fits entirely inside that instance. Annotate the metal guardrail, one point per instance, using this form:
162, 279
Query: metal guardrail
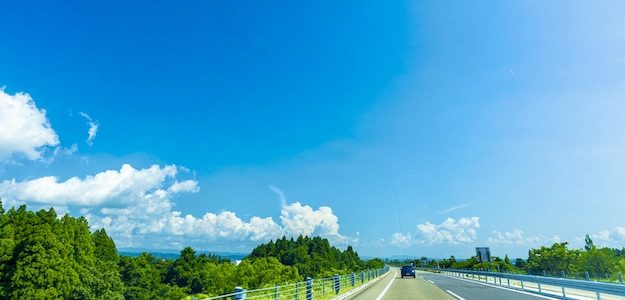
594, 287
309, 289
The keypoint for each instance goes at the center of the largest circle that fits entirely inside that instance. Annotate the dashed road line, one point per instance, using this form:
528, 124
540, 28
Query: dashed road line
501, 287
432, 282
455, 295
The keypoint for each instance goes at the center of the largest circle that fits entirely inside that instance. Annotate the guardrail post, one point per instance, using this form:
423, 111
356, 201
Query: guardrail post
563, 293
362, 277
337, 283
353, 279
276, 293
545, 273
563, 274
323, 286
620, 278
587, 275
239, 293
296, 290
540, 290
309, 285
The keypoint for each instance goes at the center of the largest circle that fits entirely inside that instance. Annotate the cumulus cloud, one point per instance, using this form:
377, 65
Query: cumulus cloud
112, 187
450, 231
463, 230
401, 240
518, 237
93, 128
610, 238
25, 130
299, 219
135, 206
190, 186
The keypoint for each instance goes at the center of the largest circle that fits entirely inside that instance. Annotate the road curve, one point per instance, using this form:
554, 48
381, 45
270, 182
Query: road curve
434, 286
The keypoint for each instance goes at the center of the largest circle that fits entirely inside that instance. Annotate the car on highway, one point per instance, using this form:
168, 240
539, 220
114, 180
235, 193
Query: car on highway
408, 271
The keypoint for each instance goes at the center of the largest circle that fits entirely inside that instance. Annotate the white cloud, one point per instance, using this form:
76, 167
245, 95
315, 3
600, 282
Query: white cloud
463, 230
24, 128
450, 231
135, 207
93, 128
213, 226
299, 219
610, 238
126, 186
189, 186
280, 194
454, 208
401, 240
518, 237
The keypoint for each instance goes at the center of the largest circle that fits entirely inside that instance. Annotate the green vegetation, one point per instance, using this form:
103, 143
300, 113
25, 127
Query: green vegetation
46, 257
555, 260
313, 257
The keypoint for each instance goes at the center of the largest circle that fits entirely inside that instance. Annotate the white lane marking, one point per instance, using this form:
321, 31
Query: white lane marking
361, 288
432, 282
501, 287
387, 287
454, 294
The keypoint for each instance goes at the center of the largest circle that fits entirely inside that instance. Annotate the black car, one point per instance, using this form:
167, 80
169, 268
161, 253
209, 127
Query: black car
408, 271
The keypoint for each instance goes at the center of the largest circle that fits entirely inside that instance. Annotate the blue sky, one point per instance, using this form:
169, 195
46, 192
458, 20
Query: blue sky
413, 128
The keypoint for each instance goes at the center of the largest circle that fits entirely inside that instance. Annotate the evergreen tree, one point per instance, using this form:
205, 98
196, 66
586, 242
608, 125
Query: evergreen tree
7, 245
104, 247
43, 267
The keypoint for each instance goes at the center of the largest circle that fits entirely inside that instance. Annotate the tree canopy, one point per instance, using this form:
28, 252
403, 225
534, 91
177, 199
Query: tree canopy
313, 257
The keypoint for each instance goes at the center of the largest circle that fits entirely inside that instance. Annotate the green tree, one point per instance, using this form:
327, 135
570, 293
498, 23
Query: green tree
555, 259
7, 246
43, 268
601, 262
105, 249
141, 277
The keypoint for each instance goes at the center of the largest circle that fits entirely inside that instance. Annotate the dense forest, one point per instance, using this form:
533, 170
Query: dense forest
599, 262
313, 257
43, 256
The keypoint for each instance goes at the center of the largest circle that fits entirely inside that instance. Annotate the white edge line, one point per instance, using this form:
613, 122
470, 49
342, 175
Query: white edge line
387, 287
360, 288
503, 288
432, 282
454, 294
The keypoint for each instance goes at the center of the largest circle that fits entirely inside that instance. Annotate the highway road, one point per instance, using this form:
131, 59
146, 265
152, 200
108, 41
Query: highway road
434, 286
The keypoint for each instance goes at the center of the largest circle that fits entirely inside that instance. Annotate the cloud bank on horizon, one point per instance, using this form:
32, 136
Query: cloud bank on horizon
137, 206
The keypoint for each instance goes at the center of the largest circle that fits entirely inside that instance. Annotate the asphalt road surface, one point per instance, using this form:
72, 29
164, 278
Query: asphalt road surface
434, 286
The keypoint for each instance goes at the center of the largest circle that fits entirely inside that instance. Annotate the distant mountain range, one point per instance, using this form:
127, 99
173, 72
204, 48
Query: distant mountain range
173, 254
